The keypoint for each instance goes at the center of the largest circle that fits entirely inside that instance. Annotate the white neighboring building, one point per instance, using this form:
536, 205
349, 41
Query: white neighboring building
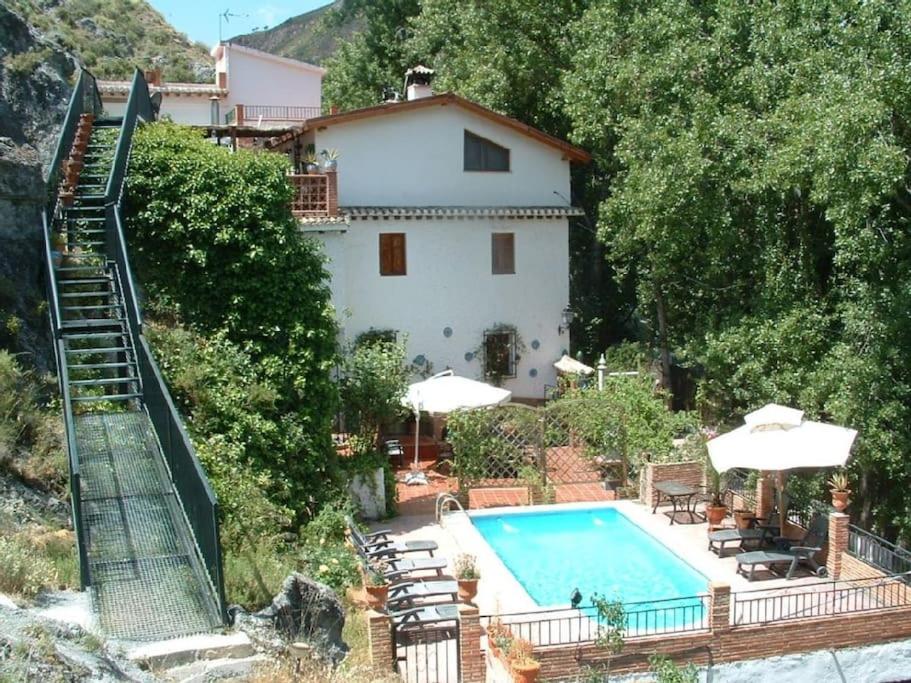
452, 227
251, 88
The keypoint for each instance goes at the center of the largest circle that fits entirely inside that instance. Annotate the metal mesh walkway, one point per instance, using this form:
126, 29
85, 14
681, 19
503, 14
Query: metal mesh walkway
146, 581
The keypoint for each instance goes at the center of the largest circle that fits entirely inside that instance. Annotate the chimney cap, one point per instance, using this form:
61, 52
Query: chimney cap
419, 75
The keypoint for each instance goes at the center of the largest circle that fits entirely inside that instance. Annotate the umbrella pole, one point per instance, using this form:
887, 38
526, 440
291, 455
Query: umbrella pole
417, 439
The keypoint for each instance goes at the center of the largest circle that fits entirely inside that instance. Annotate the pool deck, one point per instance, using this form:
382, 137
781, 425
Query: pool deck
500, 593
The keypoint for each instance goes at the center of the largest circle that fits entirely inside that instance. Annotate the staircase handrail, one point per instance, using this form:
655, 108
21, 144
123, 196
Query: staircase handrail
198, 500
69, 431
139, 108
85, 85
51, 281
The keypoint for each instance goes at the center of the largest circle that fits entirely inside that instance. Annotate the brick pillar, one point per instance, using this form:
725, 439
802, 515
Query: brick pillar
332, 193
838, 542
646, 492
239, 114
764, 495
471, 663
719, 607
379, 636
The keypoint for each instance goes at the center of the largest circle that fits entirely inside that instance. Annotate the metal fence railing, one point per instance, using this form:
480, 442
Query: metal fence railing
737, 484
584, 625
877, 551
196, 496
764, 606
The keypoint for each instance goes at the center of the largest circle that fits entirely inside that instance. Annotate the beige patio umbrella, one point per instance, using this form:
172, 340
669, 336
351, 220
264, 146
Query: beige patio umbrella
570, 366
776, 438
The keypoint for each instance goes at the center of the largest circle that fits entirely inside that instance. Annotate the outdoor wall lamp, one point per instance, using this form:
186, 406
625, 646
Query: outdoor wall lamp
566, 319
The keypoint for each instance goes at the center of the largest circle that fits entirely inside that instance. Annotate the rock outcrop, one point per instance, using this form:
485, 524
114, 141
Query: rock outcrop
35, 86
309, 611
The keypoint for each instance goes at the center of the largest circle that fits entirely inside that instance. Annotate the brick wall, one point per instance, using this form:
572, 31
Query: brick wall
497, 497
471, 661
379, 637
692, 473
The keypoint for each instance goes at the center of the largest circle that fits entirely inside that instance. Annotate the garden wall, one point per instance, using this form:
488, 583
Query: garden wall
692, 473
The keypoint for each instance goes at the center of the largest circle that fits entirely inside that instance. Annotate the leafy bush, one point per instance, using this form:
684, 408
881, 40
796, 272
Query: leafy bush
217, 248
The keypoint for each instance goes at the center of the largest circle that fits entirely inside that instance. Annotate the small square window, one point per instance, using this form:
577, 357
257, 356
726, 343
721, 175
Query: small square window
503, 253
392, 253
500, 353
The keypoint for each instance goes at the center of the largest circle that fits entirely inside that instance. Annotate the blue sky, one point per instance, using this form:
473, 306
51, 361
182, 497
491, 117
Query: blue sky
199, 19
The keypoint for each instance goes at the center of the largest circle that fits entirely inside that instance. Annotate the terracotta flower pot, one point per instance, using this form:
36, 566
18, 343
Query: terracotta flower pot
468, 588
526, 673
744, 518
840, 500
376, 596
714, 514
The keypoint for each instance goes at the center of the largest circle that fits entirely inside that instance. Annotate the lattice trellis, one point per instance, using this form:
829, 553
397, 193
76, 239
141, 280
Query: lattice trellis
516, 445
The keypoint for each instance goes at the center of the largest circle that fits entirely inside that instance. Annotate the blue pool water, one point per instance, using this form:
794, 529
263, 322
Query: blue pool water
596, 550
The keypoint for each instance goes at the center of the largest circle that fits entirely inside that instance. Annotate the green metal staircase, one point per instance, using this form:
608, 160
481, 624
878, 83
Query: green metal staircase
145, 517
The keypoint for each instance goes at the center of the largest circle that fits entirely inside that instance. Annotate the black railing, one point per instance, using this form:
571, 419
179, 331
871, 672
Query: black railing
584, 625
878, 552
84, 100
200, 504
822, 599
197, 498
737, 483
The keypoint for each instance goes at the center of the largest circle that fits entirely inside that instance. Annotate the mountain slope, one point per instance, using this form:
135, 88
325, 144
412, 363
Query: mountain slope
306, 37
113, 36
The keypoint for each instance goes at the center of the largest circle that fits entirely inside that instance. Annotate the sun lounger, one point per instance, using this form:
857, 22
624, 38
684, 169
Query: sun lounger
791, 553
378, 543
397, 568
757, 535
422, 616
409, 594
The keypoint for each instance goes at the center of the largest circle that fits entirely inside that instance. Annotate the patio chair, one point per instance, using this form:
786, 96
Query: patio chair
789, 552
759, 534
378, 543
411, 594
422, 616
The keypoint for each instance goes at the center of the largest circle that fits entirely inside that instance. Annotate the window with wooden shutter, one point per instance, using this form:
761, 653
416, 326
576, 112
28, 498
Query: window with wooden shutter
392, 253
483, 155
500, 353
503, 253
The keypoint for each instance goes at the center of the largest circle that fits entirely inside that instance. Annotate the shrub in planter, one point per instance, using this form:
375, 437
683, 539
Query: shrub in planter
838, 485
524, 666
376, 588
467, 574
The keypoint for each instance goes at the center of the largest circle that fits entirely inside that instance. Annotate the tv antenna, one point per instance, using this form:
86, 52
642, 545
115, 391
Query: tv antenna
226, 15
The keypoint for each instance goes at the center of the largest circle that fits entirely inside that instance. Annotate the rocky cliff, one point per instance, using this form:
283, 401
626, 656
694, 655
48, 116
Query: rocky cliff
35, 86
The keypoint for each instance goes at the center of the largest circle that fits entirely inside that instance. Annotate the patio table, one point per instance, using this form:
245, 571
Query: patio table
675, 492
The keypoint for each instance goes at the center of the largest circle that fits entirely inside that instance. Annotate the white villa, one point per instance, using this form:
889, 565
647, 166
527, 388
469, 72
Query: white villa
251, 88
446, 224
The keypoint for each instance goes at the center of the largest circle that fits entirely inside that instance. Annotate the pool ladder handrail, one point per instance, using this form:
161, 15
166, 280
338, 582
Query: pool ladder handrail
443, 500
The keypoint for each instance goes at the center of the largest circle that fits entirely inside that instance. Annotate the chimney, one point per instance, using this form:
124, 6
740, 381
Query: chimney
153, 76
417, 83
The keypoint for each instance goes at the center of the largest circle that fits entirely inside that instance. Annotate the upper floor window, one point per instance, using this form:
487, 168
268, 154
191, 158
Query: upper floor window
392, 253
483, 155
503, 253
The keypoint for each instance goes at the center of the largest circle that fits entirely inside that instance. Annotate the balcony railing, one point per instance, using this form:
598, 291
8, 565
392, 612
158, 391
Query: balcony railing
256, 114
314, 195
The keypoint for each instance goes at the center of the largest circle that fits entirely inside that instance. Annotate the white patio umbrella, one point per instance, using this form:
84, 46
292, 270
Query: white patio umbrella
570, 366
777, 438
444, 393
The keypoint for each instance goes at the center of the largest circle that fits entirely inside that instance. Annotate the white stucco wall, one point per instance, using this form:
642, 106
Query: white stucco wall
415, 158
449, 284
257, 79
184, 109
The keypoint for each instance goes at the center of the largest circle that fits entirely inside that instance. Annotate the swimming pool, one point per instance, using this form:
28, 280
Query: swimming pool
597, 550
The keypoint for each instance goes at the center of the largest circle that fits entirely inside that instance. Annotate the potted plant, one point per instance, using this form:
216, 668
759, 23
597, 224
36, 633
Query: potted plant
838, 485
376, 588
715, 510
525, 668
498, 636
312, 163
467, 574
744, 519
330, 160
58, 246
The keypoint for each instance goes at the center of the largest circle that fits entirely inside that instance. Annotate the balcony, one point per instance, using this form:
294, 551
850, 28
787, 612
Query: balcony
274, 115
315, 195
